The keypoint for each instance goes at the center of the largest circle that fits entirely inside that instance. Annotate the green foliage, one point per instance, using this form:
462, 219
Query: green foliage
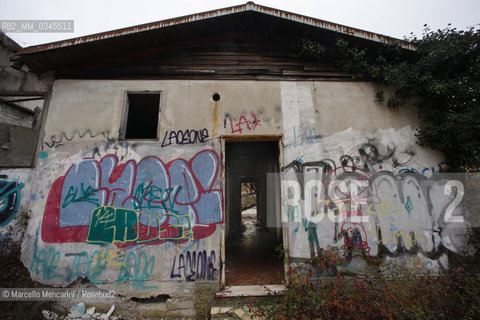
442, 75
447, 77
308, 48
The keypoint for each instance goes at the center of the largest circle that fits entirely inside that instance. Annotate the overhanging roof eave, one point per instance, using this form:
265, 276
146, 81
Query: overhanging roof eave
249, 6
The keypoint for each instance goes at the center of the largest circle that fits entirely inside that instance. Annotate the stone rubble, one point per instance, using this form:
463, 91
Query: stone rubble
78, 311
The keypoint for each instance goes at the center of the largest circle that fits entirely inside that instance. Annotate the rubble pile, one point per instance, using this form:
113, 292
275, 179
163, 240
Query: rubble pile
78, 311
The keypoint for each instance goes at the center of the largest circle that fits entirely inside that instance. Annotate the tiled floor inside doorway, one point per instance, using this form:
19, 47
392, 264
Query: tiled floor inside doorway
252, 259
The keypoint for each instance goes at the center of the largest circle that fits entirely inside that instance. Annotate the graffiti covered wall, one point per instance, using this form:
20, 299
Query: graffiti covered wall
150, 202
139, 217
125, 222
145, 216
10, 198
14, 206
370, 186
378, 192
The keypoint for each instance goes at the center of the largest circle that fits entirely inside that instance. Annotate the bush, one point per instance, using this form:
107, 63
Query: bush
397, 294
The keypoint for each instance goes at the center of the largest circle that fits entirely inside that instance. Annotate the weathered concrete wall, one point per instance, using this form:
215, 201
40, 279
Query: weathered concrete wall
337, 134
146, 218
91, 186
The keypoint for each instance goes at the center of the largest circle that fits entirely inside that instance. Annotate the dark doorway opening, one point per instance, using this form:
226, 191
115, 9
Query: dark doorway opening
253, 238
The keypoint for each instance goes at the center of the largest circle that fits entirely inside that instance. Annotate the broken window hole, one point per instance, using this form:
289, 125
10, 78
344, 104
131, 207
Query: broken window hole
161, 298
142, 115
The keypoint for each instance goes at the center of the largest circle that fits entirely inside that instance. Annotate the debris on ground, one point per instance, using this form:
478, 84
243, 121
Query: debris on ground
78, 311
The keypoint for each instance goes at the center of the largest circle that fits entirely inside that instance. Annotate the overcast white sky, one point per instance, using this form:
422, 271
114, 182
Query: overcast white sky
396, 18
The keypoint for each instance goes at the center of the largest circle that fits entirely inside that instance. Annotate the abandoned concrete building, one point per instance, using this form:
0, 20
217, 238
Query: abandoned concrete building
133, 153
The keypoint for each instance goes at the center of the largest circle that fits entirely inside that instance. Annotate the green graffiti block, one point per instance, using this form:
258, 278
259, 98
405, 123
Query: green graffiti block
101, 230
109, 225
126, 225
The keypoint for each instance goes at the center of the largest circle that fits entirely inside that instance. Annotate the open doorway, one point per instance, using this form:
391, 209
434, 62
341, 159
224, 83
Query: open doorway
249, 208
253, 239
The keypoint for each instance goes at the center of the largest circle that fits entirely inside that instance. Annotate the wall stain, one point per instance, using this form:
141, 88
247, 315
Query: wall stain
215, 120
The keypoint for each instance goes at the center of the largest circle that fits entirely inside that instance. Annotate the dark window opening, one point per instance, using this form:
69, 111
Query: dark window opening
142, 117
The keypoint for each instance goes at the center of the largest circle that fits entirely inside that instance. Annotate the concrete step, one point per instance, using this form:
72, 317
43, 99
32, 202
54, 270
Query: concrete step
252, 291
237, 302
232, 313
